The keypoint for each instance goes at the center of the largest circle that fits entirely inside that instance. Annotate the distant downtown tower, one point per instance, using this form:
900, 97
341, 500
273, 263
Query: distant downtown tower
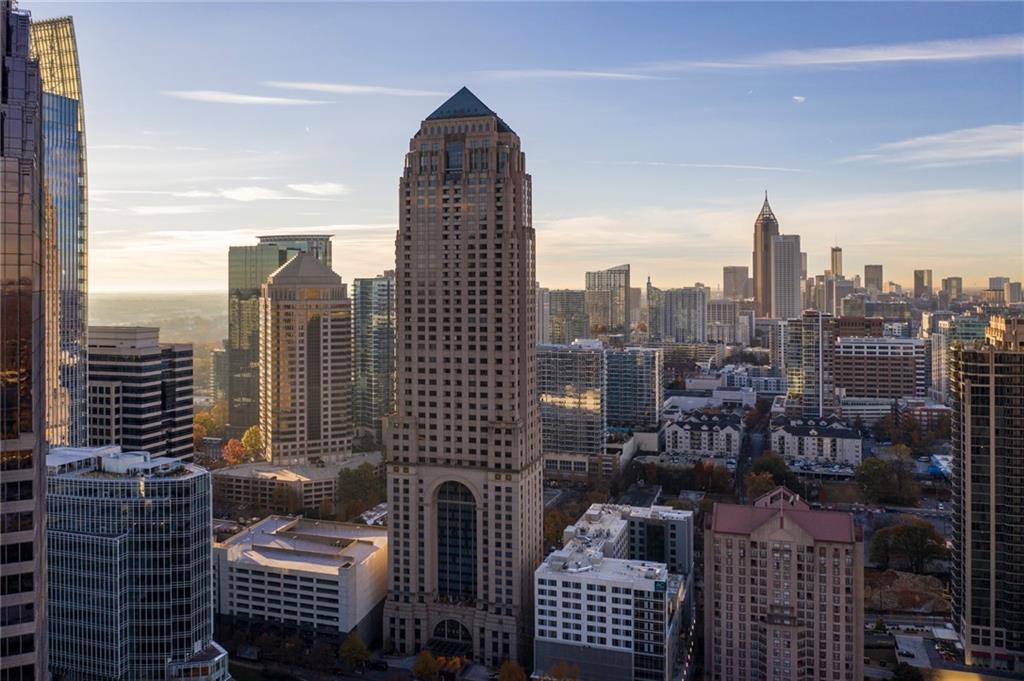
463, 448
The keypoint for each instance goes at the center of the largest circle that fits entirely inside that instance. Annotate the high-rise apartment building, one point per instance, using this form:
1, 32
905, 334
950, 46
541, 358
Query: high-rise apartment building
997, 282
567, 316
572, 390
22, 358
883, 367
53, 45
810, 363
140, 391
1012, 292
464, 446
543, 315
600, 312
874, 280
248, 269
923, 283
678, 315
987, 382
734, 282
305, 364
783, 592
129, 540
373, 335
634, 387
766, 227
724, 323
836, 260
218, 373
948, 333
615, 280
952, 288
785, 276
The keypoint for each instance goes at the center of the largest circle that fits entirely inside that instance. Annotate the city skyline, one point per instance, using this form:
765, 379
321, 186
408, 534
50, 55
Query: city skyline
860, 152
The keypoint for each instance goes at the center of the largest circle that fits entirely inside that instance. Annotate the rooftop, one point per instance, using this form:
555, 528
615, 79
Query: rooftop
783, 506
304, 269
464, 104
577, 561
111, 462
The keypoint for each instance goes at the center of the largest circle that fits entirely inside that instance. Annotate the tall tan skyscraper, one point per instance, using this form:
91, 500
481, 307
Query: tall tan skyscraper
463, 448
765, 228
305, 364
783, 592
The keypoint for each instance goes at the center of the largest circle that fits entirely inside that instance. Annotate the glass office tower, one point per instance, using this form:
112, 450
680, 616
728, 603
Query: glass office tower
373, 320
66, 186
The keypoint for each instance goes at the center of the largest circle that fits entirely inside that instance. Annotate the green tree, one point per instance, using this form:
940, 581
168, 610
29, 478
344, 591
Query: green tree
772, 463
252, 440
426, 666
363, 484
353, 651
758, 484
889, 481
510, 671
555, 521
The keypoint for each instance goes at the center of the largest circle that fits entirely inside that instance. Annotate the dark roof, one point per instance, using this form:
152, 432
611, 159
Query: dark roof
464, 104
712, 421
830, 427
304, 269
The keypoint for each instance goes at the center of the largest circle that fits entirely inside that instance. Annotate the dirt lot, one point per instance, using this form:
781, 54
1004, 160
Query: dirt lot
893, 591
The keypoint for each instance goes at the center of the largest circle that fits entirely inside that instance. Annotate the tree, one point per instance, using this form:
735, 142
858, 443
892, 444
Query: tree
889, 481
562, 671
759, 484
198, 433
510, 671
555, 522
426, 666
772, 463
321, 656
911, 544
252, 440
353, 651
363, 484
234, 452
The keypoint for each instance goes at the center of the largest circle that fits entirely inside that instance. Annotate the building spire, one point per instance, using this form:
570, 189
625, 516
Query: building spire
766, 209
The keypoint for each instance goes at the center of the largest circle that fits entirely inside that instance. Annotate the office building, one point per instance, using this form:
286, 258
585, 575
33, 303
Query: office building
305, 364
772, 333
567, 316
64, 150
998, 282
678, 315
600, 311
837, 262
140, 391
634, 387
987, 380
953, 288
1012, 292
464, 459
734, 282
543, 315
766, 228
317, 575
785, 276
881, 366
874, 280
23, 360
129, 539
615, 280
810, 363
248, 269
950, 331
827, 441
373, 335
635, 303
850, 326
219, 373
725, 323
572, 393
783, 592
922, 283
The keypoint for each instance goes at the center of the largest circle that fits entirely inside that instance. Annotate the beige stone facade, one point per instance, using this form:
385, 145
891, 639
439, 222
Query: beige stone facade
463, 449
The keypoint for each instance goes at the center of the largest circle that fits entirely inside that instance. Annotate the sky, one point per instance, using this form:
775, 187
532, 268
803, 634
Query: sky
652, 131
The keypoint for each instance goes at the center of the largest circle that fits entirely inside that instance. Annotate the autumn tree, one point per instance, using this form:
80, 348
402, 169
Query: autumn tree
555, 522
889, 481
252, 440
759, 484
563, 671
426, 667
510, 671
353, 651
911, 544
199, 432
773, 464
234, 452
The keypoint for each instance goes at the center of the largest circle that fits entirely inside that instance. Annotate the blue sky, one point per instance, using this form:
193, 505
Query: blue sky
651, 130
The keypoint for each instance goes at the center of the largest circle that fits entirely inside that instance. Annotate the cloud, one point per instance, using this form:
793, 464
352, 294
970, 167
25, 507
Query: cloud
320, 188
799, 99
221, 97
168, 210
122, 147
349, 89
710, 166
956, 147
567, 74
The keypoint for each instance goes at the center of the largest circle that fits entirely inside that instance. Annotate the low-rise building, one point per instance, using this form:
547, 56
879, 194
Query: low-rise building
678, 402
315, 575
703, 434
819, 439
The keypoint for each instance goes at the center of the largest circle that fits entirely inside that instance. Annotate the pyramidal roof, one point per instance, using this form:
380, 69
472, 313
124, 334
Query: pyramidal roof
304, 269
766, 210
464, 104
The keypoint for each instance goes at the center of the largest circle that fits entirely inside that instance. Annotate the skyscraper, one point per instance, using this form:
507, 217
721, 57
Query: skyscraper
22, 361
997, 282
129, 540
873, 278
615, 280
464, 446
140, 391
922, 283
305, 364
810, 363
837, 261
734, 282
53, 44
680, 315
952, 288
987, 382
248, 269
568, 315
785, 276
543, 315
373, 325
766, 226
634, 387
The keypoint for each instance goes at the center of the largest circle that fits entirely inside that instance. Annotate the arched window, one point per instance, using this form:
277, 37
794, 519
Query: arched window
456, 543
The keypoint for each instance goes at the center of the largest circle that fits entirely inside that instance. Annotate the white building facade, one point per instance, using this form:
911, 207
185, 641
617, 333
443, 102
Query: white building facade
821, 440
